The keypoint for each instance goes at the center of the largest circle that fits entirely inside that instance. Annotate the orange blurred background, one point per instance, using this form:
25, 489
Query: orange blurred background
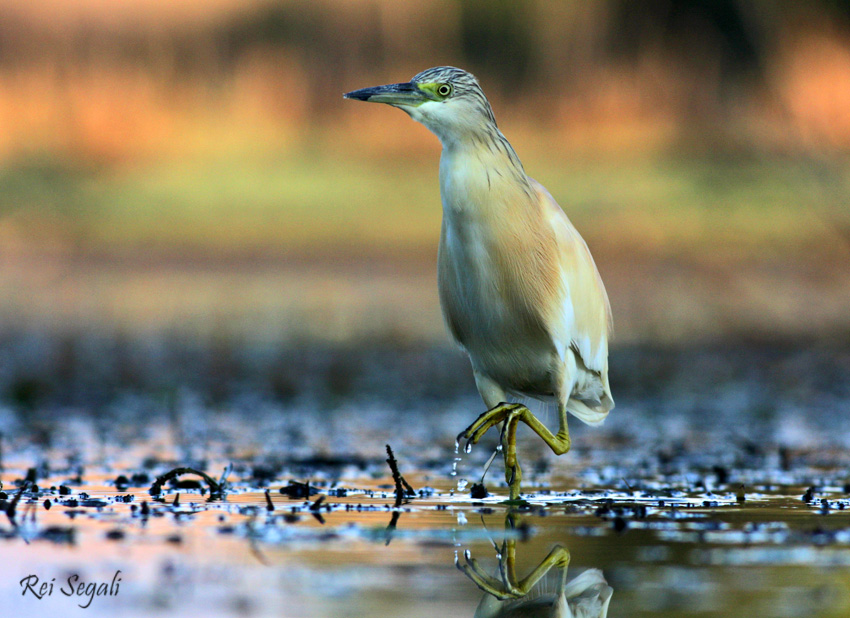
193, 166
116, 82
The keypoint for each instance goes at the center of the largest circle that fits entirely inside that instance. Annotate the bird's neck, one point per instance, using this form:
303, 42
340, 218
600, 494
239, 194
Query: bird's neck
480, 175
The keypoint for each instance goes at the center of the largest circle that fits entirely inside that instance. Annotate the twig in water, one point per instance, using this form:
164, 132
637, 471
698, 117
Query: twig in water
13, 505
402, 487
222, 481
315, 509
391, 526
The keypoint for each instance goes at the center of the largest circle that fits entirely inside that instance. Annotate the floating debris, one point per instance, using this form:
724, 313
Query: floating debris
61, 535
216, 490
296, 490
478, 491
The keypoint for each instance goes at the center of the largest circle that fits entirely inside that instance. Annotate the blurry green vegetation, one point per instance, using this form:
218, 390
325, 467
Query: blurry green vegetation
327, 206
238, 203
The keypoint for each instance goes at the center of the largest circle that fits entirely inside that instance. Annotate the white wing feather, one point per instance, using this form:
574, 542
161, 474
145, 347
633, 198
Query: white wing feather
583, 324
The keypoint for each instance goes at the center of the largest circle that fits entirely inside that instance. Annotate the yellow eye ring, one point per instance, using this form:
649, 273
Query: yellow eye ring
444, 90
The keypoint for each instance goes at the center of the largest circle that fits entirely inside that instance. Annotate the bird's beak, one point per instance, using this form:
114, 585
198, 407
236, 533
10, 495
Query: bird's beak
407, 94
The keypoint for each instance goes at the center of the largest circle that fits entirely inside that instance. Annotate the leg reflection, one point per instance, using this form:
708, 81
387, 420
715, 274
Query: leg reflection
507, 595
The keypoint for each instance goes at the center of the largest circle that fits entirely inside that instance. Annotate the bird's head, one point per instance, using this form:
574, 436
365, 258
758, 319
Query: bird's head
447, 100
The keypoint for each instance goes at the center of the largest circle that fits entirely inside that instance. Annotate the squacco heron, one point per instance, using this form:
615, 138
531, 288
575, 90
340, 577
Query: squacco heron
518, 287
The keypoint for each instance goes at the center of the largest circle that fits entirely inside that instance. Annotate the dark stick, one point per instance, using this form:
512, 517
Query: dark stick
317, 504
402, 487
391, 526
315, 509
13, 505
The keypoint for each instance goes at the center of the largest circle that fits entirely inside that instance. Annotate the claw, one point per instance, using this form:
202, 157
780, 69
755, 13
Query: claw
502, 433
510, 415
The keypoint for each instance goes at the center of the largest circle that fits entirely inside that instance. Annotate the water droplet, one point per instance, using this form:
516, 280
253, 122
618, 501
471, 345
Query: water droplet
461, 519
457, 446
468, 448
467, 554
499, 448
456, 558
461, 484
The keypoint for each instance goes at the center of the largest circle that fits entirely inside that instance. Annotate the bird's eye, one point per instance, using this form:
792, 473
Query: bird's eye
444, 90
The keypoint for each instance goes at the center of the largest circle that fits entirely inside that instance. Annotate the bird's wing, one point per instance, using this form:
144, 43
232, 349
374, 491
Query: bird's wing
582, 320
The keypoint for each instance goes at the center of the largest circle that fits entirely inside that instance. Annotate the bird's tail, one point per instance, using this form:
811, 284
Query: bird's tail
591, 400
592, 413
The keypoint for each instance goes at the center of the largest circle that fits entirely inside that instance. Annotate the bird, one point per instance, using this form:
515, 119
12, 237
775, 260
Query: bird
518, 288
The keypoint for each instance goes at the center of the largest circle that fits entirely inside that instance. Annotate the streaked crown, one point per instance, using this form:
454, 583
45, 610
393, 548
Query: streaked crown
464, 85
462, 81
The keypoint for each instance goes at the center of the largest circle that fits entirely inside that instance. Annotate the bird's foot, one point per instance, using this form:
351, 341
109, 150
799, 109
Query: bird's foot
515, 503
507, 585
510, 415
503, 589
485, 421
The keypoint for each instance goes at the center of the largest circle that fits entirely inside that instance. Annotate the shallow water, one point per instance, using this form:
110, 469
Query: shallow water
662, 551
682, 504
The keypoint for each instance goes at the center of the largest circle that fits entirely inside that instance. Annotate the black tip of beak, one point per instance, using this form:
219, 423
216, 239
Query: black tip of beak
381, 93
361, 95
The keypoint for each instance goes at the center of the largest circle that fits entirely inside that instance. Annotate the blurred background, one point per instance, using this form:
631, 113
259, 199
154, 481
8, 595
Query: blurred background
181, 171
208, 256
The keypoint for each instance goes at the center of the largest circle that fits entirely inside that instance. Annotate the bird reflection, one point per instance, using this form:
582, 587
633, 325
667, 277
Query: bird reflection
505, 595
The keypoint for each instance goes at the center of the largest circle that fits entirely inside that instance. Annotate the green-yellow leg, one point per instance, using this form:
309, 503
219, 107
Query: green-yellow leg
511, 414
509, 587
513, 471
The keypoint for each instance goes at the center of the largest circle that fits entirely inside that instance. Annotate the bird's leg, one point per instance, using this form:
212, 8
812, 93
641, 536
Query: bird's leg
511, 414
559, 442
558, 556
513, 471
510, 587
487, 583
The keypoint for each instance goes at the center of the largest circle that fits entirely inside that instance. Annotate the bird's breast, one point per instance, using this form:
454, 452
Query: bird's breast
471, 292
488, 278
505, 339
